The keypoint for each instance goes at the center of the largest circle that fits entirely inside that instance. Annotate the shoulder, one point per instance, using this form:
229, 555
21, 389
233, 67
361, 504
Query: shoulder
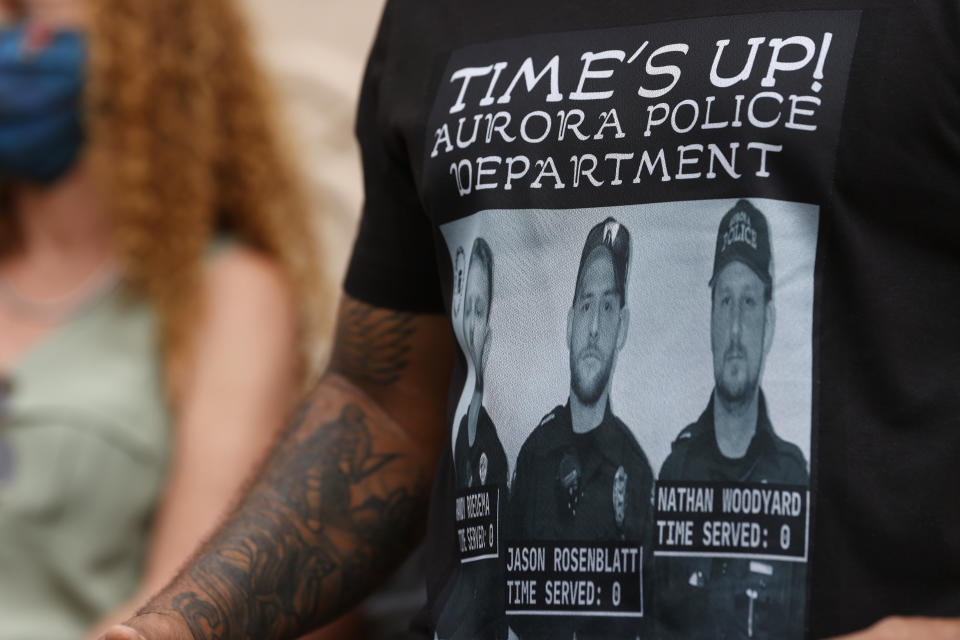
552, 417
687, 438
544, 435
533, 454
489, 430
485, 421
248, 303
247, 315
550, 423
461, 441
628, 446
791, 460
679, 449
245, 279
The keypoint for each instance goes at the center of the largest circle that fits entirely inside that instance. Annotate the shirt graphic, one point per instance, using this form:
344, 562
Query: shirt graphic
634, 244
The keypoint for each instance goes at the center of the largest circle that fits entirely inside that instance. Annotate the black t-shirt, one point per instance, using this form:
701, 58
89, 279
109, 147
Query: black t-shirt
679, 199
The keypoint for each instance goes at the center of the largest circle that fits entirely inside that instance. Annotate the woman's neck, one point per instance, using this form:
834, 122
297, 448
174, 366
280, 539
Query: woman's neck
64, 235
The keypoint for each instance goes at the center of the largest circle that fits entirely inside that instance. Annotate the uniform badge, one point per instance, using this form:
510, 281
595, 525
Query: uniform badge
620, 496
483, 468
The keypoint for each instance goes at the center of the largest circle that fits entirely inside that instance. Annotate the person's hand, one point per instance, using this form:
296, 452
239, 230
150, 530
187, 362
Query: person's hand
121, 632
149, 627
907, 629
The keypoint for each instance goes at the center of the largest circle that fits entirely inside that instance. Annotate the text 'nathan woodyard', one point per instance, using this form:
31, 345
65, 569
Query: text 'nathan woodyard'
748, 519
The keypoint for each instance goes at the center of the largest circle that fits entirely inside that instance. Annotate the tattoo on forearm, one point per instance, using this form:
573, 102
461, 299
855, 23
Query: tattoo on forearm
323, 520
372, 344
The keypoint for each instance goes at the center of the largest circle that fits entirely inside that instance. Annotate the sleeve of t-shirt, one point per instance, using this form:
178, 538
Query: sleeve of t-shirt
393, 264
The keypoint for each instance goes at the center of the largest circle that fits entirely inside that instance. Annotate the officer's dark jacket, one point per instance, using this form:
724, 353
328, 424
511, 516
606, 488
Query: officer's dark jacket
554, 456
701, 598
695, 456
485, 462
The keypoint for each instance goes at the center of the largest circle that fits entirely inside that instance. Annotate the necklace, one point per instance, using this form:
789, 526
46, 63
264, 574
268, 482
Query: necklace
58, 307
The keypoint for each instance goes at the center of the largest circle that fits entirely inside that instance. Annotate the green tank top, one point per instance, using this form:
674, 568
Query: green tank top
89, 432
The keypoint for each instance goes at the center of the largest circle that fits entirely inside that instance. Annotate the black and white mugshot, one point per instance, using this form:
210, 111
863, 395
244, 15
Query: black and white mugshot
733, 441
581, 475
479, 461
478, 455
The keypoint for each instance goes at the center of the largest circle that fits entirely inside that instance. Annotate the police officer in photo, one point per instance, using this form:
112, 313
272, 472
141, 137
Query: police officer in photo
479, 460
734, 441
478, 454
581, 475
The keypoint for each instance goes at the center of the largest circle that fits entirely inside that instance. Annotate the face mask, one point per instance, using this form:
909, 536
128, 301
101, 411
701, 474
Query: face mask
41, 102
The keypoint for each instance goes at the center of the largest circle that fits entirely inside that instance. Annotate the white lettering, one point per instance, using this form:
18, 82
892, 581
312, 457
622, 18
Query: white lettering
670, 69
589, 58
526, 72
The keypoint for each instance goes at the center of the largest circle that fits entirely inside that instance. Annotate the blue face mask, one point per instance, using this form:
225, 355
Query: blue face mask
41, 105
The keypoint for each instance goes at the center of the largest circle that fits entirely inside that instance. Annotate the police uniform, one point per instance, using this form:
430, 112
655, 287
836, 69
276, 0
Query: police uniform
722, 598
481, 464
594, 486
484, 462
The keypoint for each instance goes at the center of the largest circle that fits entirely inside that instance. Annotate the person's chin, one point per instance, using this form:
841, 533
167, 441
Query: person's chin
589, 392
733, 391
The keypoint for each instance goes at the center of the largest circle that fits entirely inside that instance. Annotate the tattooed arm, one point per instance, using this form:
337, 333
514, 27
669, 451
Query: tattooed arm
340, 500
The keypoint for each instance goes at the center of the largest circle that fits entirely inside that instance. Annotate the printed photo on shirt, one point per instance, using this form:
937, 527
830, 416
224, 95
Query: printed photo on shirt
573, 471
480, 464
731, 580
620, 345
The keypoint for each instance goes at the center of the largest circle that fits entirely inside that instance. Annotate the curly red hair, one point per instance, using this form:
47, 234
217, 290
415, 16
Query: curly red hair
182, 133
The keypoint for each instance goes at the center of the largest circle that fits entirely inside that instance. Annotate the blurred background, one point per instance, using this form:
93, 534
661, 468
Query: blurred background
141, 273
315, 52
